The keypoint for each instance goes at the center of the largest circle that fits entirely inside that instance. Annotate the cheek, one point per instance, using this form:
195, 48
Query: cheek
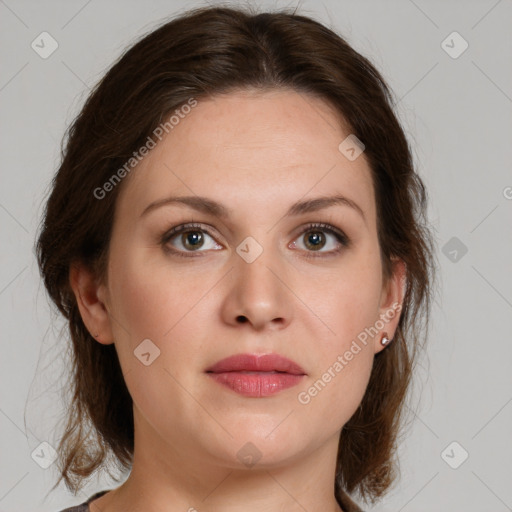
349, 302
338, 382
154, 304
159, 303
149, 299
140, 304
345, 353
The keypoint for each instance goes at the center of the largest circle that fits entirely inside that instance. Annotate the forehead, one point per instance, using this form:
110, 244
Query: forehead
262, 147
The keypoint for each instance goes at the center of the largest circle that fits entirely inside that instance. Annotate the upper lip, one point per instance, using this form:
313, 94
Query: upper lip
255, 363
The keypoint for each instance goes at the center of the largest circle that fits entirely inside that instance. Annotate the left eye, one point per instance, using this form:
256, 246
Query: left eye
316, 239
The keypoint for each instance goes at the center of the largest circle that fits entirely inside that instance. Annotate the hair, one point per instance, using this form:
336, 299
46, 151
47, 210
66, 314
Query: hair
206, 52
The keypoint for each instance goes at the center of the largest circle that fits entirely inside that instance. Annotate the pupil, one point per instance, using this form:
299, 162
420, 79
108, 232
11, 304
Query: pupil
315, 239
192, 238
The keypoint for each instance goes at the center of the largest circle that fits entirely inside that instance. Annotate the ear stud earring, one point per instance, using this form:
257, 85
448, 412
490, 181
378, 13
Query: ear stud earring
385, 340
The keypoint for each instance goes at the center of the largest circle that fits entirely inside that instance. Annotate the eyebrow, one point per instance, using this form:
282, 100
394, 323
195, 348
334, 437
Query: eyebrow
211, 207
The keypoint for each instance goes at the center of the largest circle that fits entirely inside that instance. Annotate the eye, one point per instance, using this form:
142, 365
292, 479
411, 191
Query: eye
189, 238
316, 240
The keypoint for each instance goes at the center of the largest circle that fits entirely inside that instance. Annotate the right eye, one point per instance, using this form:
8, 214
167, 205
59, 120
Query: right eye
187, 238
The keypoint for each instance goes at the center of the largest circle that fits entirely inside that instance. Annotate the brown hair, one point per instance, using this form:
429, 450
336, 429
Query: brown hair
202, 53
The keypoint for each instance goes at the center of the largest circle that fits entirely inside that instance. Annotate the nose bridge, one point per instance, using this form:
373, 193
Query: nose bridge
258, 292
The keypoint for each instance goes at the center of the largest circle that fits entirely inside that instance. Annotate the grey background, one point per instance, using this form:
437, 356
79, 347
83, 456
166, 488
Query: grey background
457, 113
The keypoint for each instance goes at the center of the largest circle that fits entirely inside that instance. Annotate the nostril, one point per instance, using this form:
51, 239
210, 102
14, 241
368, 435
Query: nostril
242, 319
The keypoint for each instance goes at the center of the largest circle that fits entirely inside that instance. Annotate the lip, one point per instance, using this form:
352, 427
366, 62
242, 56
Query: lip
256, 375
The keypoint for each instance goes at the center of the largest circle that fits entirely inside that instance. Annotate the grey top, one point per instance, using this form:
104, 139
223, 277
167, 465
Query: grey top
346, 503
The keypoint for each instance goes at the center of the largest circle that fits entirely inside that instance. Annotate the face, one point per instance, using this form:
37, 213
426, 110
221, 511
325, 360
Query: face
242, 271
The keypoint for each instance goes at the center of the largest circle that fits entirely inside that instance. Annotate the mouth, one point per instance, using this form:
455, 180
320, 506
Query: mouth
257, 376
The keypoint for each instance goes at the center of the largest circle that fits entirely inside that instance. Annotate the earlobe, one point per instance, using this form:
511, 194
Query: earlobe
393, 293
90, 300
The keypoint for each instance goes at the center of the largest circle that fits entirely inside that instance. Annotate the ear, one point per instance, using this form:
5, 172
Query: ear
393, 292
91, 299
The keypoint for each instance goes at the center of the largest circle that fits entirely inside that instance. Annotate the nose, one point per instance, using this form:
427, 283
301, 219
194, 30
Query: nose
258, 294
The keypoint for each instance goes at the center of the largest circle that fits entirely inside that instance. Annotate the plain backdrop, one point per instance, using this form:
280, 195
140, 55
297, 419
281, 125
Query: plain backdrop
455, 105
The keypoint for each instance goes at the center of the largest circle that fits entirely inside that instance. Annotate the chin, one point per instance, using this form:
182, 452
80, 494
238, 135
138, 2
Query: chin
254, 448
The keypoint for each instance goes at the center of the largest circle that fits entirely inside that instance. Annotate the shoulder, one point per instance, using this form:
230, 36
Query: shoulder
347, 504
84, 507
77, 508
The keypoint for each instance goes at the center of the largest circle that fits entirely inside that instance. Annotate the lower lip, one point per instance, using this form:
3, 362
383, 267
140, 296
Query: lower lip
256, 384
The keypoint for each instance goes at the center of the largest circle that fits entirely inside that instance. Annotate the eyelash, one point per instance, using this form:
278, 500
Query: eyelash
191, 227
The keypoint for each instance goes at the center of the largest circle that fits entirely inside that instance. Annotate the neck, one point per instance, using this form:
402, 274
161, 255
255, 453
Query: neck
173, 476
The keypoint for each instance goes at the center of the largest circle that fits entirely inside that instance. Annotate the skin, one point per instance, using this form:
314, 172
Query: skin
256, 153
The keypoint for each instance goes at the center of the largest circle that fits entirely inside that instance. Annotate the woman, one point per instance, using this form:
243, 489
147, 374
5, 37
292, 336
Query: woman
237, 237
